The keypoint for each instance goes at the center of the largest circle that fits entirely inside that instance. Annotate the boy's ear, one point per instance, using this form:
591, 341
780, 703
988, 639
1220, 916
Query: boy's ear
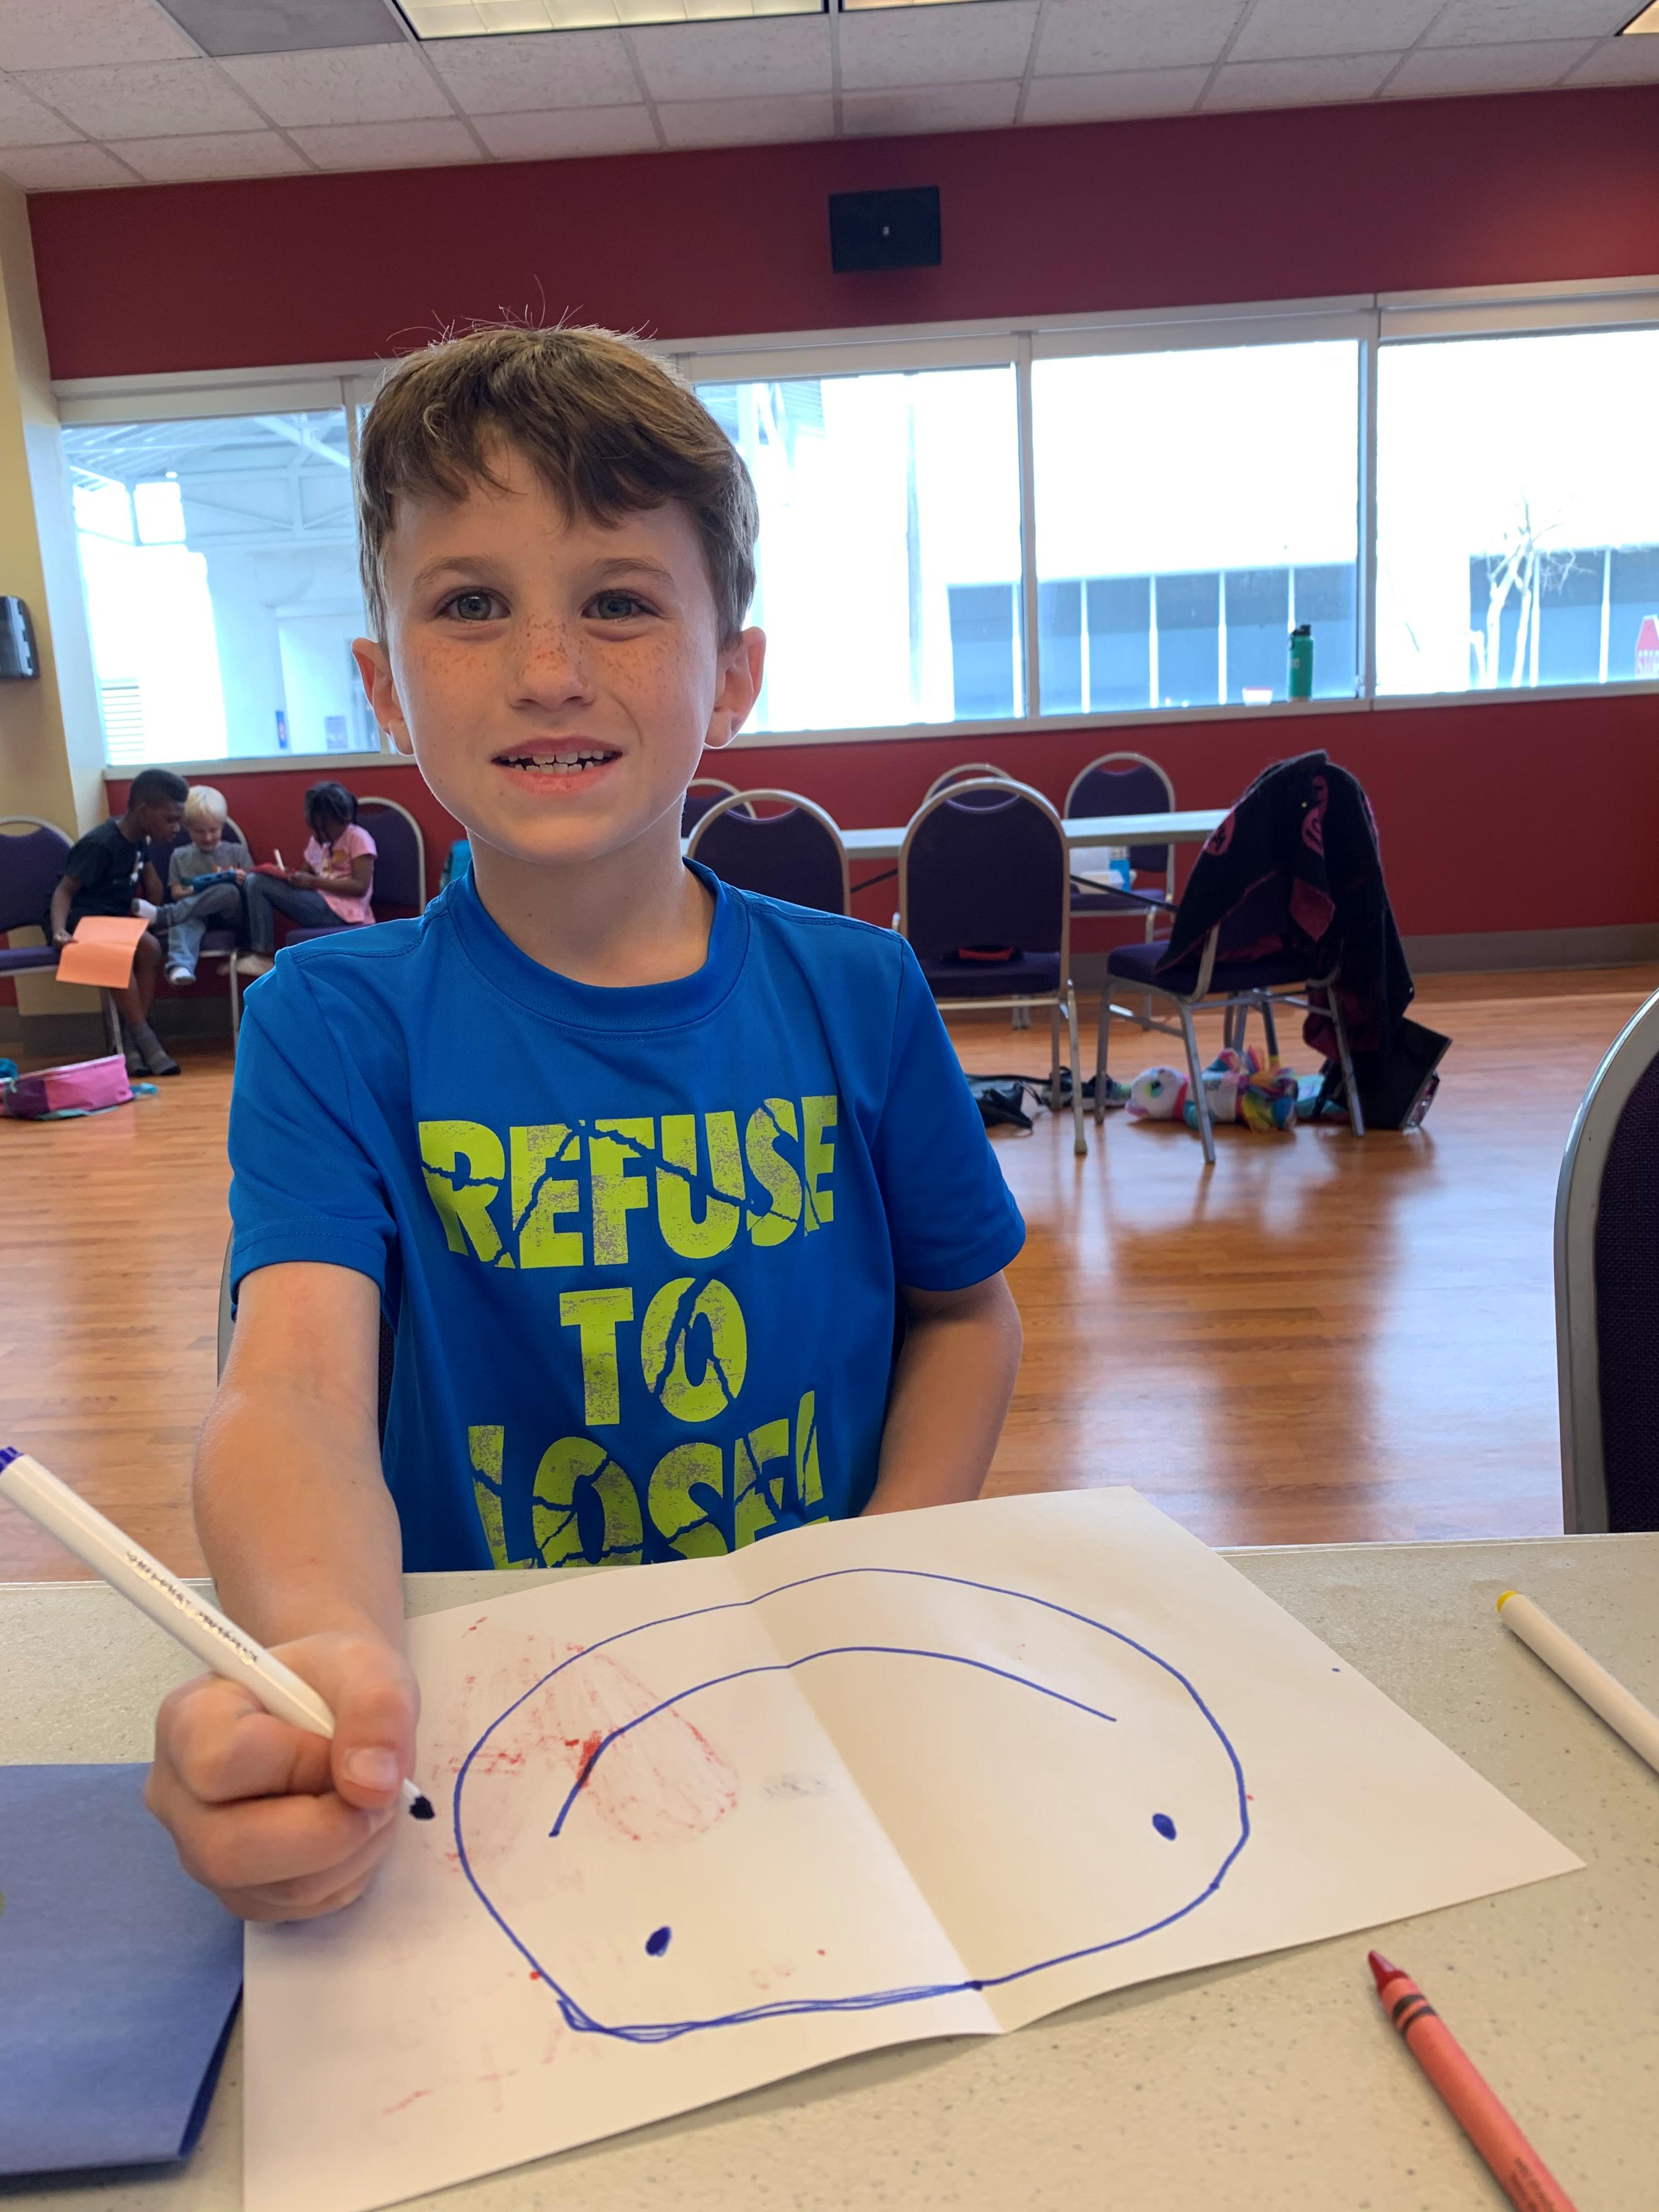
741, 666
381, 691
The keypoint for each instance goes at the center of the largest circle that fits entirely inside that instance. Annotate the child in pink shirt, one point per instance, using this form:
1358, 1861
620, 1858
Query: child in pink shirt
333, 886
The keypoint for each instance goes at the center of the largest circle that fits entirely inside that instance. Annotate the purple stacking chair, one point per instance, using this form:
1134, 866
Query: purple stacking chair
1231, 972
399, 879
701, 793
984, 864
31, 856
1607, 1292
795, 854
1124, 783
975, 771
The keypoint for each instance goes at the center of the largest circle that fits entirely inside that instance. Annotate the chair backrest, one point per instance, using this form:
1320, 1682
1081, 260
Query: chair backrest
399, 854
701, 793
985, 864
31, 856
796, 855
1607, 1290
974, 772
1126, 783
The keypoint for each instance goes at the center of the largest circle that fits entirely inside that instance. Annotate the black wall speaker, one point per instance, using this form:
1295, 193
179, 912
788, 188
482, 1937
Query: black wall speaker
17, 655
885, 230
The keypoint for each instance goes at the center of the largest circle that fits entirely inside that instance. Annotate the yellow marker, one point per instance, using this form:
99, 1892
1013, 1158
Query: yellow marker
1600, 1690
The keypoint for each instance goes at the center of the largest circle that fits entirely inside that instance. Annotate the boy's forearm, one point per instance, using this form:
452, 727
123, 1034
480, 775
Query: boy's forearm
951, 1395
300, 1534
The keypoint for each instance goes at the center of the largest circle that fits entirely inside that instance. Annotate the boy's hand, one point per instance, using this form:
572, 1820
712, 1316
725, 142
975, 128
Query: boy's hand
280, 1824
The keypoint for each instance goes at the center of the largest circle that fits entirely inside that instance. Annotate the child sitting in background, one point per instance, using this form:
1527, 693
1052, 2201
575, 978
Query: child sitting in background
109, 872
332, 887
192, 913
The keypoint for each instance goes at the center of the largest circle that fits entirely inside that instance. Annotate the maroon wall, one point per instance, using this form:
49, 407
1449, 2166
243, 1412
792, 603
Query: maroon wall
1184, 211
1520, 813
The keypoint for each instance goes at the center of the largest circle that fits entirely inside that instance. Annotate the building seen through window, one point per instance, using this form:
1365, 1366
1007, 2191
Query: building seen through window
219, 561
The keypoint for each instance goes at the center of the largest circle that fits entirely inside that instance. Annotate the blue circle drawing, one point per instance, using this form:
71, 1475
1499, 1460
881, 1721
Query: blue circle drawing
867, 2001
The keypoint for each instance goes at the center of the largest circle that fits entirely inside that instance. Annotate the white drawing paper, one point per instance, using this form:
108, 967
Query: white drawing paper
702, 1826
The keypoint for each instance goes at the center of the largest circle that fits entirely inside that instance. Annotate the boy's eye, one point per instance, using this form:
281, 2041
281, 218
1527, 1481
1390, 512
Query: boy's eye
473, 606
619, 606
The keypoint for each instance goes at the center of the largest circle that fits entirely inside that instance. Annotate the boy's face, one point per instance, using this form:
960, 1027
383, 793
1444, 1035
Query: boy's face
556, 681
159, 819
204, 836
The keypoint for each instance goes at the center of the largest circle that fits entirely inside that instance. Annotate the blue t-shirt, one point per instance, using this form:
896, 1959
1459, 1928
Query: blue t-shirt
640, 1246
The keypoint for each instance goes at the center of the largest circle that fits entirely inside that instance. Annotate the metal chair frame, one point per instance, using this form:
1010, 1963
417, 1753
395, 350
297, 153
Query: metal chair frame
1578, 1211
1234, 1003
106, 1005
1064, 998
744, 800
970, 772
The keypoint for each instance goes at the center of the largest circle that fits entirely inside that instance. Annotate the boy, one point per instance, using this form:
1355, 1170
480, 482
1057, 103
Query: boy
193, 913
109, 872
646, 1170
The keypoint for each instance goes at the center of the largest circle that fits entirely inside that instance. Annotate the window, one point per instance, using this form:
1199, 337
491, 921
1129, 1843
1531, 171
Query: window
1518, 511
890, 546
1192, 508
221, 567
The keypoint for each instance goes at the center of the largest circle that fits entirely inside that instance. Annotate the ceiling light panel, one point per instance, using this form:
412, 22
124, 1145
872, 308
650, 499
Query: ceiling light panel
1647, 20
474, 18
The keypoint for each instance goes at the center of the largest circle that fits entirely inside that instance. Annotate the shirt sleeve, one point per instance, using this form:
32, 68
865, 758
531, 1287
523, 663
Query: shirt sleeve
303, 1187
88, 862
952, 1217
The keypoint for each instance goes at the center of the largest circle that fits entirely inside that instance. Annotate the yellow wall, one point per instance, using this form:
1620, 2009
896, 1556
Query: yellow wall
52, 749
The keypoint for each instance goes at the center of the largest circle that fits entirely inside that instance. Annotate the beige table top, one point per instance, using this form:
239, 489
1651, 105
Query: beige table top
1271, 2086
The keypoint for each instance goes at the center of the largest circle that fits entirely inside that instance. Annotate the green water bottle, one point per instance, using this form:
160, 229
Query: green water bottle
1300, 684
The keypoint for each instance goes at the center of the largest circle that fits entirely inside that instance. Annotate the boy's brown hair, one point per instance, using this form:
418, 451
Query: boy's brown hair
609, 429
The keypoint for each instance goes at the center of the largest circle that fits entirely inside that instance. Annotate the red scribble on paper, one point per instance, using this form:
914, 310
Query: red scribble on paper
403, 2103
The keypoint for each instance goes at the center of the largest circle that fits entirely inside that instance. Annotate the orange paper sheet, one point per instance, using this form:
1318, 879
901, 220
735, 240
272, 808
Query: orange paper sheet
102, 951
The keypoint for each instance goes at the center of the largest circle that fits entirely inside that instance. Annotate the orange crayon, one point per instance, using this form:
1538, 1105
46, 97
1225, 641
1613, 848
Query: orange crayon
1515, 2166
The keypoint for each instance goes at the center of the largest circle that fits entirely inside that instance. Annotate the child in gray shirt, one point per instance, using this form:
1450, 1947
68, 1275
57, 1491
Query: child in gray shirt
191, 914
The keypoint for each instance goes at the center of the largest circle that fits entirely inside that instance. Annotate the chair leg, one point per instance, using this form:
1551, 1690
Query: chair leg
1269, 1025
112, 1021
1356, 1114
1054, 1057
1021, 1016
1196, 1073
235, 1004
1102, 1034
1079, 1142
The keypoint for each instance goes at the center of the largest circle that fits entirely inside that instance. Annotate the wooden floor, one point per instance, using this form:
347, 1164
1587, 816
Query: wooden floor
1320, 1340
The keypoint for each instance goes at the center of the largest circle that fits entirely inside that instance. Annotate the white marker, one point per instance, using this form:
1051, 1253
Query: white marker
1602, 1691
216, 1642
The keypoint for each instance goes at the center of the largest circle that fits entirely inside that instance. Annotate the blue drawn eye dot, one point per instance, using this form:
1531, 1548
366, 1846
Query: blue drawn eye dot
657, 1942
1164, 1826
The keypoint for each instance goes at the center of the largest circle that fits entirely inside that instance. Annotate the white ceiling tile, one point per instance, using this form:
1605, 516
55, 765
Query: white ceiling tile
569, 69
568, 131
24, 122
1121, 93
711, 61
214, 153
929, 107
62, 168
1132, 34
1290, 30
58, 33
1621, 61
341, 84
936, 46
145, 99
1311, 83
416, 145
779, 122
1433, 71
1512, 22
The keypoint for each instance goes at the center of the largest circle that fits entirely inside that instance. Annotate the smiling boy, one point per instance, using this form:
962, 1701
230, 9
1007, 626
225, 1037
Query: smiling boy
650, 1176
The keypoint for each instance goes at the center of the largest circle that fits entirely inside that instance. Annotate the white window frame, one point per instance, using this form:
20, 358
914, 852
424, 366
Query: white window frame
1372, 319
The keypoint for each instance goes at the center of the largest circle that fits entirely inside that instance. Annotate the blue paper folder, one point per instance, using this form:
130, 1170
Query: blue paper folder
119, 1977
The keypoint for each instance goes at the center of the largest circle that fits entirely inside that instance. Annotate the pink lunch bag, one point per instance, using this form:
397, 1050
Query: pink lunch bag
87, 1086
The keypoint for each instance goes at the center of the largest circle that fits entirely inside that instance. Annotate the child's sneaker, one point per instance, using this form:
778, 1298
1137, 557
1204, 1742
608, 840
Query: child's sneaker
154, 1057
130, 1052
180, 976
